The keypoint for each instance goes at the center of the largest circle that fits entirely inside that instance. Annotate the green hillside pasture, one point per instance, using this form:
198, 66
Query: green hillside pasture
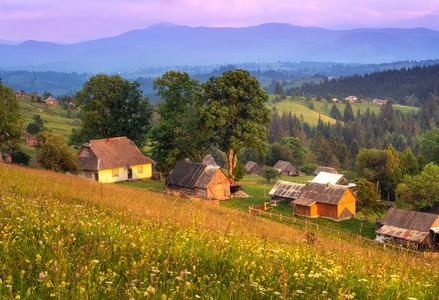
55, 116
117, 242
299, 106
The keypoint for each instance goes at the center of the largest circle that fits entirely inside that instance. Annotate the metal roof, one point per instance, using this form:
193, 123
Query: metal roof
402, 233
287, 189
325, 177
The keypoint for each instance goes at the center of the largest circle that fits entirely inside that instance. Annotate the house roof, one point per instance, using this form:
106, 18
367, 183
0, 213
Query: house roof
314, 192
408, 219
251, 164
287, 189
325, 177
325, 169
409, 225
112, 153
283, 166
192, 175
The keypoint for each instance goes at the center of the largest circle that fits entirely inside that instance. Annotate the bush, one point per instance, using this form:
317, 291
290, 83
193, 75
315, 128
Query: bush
239, 171
308, 169
270, 173
19, 157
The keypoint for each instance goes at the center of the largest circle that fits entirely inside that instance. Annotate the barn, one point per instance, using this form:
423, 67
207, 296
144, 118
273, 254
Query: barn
198, 180
408, 227
286, 168
253, 168
286, 191
324, 169
336, 202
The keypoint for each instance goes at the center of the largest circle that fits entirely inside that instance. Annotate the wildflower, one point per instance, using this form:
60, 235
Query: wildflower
299, 292
150, 289
42, 275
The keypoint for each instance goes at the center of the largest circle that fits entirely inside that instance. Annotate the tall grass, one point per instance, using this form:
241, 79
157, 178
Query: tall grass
67, 237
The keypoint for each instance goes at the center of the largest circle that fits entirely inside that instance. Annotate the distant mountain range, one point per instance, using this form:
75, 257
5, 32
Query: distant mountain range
173, 45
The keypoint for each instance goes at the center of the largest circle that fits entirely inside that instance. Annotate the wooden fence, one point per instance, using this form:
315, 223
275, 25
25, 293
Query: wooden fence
262, 210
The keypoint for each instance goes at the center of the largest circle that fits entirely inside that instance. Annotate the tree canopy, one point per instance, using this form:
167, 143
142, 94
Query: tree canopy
10, 117
233, 113
53, 153
111, 107
176, 136
419, 192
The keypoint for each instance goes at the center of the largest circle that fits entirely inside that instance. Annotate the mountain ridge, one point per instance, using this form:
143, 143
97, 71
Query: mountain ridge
167, 44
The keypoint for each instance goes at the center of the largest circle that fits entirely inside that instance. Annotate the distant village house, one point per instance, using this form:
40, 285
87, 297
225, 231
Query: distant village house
198, 180
51, 101
351, 99
286, 168
113, 160
325, 177
31, 141
379, 101
324, 169
253, 168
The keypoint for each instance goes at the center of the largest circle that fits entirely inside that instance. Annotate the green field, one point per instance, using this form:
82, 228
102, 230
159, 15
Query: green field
299, 106
68, 237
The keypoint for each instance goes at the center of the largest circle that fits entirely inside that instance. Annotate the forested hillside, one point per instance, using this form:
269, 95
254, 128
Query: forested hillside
407, 86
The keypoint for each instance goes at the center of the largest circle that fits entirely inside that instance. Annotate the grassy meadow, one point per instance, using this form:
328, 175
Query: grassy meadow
299, 106
67, 237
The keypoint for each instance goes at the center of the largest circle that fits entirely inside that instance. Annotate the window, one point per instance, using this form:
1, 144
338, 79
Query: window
115, 172
139, 170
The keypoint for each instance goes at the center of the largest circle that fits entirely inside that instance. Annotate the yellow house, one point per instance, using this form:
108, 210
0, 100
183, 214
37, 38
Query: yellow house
113, 160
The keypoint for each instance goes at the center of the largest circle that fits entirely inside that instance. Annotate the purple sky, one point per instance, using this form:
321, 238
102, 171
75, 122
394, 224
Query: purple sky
79, 20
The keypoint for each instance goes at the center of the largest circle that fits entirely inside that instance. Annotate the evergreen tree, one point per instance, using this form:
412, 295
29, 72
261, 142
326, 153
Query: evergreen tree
348, 114
335, 113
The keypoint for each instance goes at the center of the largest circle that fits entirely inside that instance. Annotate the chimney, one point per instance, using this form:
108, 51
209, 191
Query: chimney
109, 141
328, 184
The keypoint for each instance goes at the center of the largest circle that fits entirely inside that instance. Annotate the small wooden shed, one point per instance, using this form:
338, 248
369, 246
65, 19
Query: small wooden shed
324, 169
325, 177
336, 202
253, 168
198, 180
406, 226
286, 168
286, 191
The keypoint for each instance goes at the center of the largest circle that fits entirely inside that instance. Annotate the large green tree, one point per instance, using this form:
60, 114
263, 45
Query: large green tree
112, 106
421, 191
297, 149
176, 136
430, 145
233, 113
368, 196
10, 117
53, 153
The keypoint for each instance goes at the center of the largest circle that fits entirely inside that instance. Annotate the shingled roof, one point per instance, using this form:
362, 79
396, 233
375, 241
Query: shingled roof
287, 189
322, 193
112, 153
191, 175
406, 224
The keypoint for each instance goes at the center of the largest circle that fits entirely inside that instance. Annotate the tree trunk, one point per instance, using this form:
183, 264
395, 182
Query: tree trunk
231, 160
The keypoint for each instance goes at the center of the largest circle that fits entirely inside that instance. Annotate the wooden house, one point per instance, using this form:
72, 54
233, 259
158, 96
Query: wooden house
324, 169
379, 101
113, 160
286, 168
51, 101
336, 202
198, 180
31, 140
286, 191
408, 227
253, 168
